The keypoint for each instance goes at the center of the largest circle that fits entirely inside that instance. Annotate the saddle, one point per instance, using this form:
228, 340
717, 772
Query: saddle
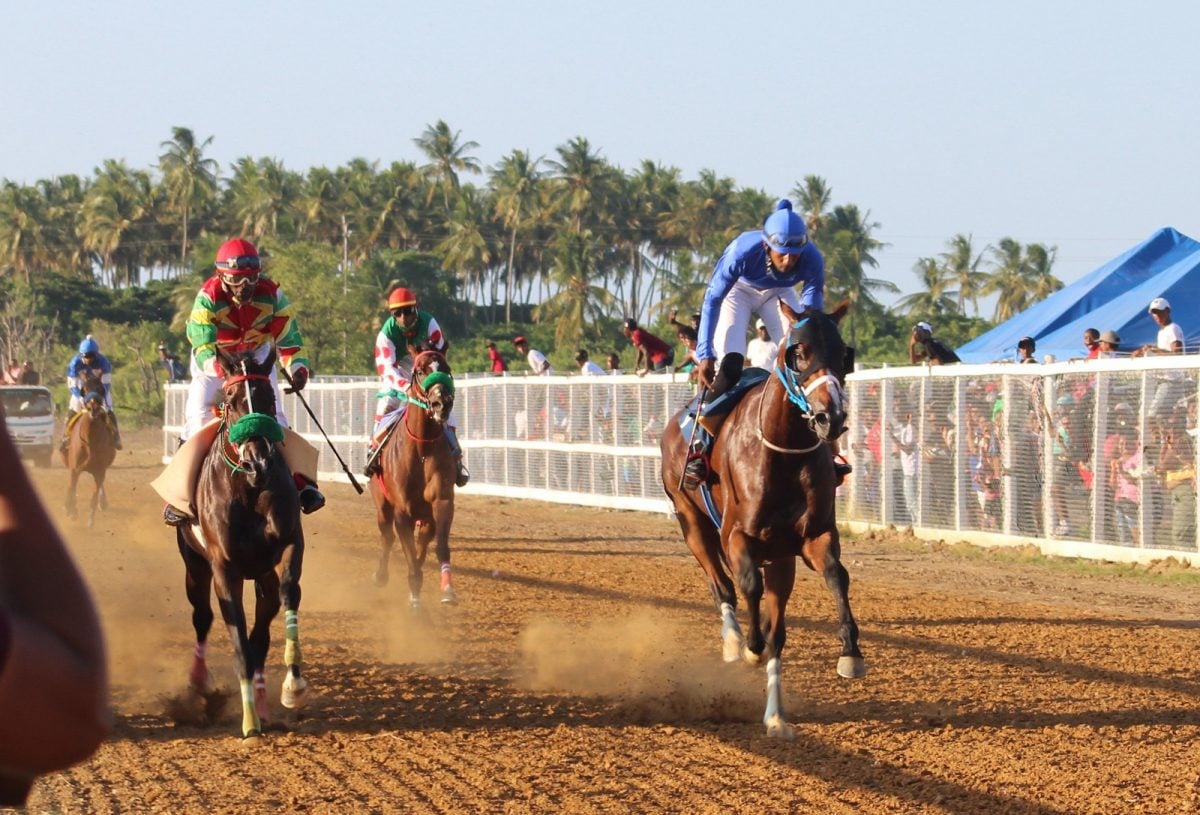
715, 412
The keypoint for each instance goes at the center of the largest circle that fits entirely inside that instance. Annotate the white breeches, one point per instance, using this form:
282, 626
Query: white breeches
204, 392
744, 301
76, 403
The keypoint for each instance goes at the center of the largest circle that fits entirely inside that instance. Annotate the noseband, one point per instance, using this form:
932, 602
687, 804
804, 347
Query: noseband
269, 437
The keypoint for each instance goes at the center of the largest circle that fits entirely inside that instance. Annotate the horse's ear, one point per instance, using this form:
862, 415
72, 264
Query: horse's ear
790, 314
840, 311
227, 361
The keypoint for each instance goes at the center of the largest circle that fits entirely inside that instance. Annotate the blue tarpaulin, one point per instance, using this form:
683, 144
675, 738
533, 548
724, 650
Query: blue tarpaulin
1113, 297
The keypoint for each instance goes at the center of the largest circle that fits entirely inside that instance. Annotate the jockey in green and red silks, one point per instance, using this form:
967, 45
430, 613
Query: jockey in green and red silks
408, 331
239, 309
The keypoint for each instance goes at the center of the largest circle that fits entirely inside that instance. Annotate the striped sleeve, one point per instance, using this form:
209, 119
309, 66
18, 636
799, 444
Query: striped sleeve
286, 331
202, 329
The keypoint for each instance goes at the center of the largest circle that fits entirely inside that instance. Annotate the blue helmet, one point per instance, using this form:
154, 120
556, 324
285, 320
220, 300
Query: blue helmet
89, 346
784, 230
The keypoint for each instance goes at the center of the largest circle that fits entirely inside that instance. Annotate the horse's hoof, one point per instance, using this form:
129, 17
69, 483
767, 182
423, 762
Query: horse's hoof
777, 728
252, 739
732, 644
852, 667
750, 657
200, 681
295, 692
449, 596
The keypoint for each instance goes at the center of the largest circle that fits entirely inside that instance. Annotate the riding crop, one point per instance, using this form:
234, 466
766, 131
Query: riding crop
358, 488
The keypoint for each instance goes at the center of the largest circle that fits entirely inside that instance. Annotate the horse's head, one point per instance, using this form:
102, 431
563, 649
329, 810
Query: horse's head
250, 409
814, 362
433, 384
92, 388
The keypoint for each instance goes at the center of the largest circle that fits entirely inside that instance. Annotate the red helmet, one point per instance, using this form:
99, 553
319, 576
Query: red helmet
401, 297
238, 256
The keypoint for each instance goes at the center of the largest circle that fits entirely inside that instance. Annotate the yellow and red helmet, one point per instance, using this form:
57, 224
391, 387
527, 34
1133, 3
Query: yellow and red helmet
237, 257
401, 297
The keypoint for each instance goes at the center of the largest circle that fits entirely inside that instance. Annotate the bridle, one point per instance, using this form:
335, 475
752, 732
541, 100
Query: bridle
421, 400
796, 390
244, 378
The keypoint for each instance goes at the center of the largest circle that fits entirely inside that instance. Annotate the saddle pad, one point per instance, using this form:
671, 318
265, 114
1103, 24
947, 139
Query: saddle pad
177, 483
713, 414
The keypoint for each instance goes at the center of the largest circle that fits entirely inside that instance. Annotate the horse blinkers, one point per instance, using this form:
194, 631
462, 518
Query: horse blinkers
819, 382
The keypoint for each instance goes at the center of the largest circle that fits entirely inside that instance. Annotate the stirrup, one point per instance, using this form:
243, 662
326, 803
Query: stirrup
841, 469
464, 475
695, 471
372, 468
311, 499
173, 517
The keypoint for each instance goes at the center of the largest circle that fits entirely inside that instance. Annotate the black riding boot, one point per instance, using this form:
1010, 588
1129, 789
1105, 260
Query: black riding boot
696, 470
463, 476
116, 431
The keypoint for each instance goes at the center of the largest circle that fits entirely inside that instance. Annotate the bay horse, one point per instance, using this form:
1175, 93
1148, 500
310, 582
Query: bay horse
247, 527
414, 489
773, 484
91, 447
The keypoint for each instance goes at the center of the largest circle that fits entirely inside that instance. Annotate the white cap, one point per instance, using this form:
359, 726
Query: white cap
1159, 304
760, 323
925, 327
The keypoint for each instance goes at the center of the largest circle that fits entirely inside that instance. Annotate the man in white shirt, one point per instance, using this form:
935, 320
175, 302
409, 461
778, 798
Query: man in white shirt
537, 360
1171, 387
762, 350
586, 366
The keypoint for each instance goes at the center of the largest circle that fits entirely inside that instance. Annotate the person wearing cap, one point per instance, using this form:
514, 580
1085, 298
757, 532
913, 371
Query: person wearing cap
496, 359
924, 347
536, 359
239, 309
687, 336
762, 350
1025, 349
89, 363
758, 269
652, 350
1109, 345
407, 332
1170, 335
171, 364
29, 375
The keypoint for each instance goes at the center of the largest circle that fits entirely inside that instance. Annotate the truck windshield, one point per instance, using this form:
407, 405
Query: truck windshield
18, 402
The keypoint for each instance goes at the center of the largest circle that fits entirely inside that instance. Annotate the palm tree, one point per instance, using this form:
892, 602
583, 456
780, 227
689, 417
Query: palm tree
22, 220
516, 184
1039, 261
578, 303
583, 183
190, 178
117, 213
961, 264
1008, 278
849, 250
447, 158
260, 193
469, 248
933, 299
815, 197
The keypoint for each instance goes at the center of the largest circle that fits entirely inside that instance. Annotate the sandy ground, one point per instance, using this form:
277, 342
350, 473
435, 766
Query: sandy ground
581, 673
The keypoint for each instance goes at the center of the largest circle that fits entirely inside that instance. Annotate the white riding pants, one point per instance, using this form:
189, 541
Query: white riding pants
744, 301
203, 393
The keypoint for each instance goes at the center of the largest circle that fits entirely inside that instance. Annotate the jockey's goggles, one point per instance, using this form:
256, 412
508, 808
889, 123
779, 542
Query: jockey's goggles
781, 243
240, 262
404, 311
236, 281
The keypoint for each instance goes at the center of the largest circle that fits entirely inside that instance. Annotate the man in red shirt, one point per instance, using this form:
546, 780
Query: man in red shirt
496, 358
657, 354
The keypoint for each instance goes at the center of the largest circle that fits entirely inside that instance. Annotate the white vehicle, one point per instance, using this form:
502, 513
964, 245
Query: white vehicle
29, 413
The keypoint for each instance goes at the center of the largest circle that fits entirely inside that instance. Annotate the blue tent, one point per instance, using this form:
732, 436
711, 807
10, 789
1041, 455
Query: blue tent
1113, 297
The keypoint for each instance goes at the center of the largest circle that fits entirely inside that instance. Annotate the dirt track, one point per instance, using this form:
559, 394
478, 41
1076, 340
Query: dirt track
582, 673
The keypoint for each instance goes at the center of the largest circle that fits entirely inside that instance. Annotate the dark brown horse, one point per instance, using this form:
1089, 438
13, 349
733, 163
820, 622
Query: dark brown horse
91, 447
247, 528
414, 491
773, 491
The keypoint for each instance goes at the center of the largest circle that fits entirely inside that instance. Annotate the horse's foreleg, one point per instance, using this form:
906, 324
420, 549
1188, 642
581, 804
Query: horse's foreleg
229, 598
295, 686
198, 585
72, 490
97, 486
414, 556
749, 580
778, 579
266, 606
704, 541
384, 519
825, 550
443, 517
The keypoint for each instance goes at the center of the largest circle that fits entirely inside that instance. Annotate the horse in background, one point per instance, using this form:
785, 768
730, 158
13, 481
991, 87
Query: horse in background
247, 528
91, 447
772, 498
414, 490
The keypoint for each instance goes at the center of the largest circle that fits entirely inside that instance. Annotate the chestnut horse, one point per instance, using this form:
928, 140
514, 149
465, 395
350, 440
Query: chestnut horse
773, 499
91, 447
247, 528
414, 490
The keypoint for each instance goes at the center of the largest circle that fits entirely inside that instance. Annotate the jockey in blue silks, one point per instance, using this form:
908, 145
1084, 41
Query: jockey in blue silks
89, 360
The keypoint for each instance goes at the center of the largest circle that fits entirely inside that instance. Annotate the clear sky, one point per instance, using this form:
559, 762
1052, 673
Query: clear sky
1066, 123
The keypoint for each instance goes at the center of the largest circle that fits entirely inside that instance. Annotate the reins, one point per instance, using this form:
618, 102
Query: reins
796, 393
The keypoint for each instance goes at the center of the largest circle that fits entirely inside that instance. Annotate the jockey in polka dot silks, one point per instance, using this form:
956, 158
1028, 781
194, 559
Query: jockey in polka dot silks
407, 332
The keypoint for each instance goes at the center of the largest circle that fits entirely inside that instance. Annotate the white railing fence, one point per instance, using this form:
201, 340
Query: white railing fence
1077, 456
